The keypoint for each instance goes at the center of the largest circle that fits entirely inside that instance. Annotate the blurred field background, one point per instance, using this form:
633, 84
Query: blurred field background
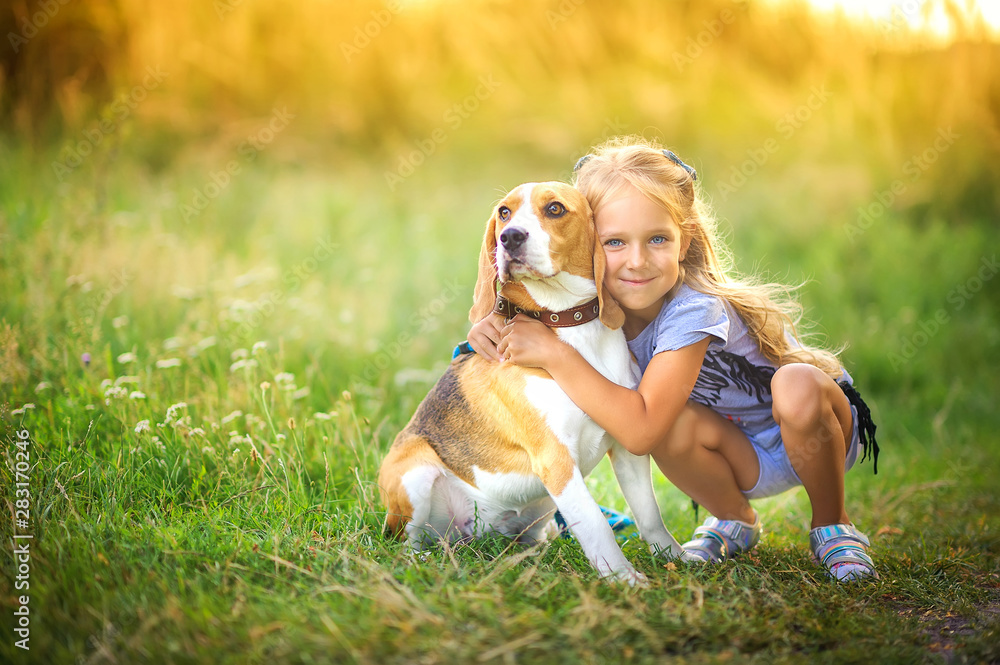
238, 242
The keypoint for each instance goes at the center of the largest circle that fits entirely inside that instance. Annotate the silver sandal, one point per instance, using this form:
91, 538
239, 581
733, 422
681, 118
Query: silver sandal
717, 540
843, 551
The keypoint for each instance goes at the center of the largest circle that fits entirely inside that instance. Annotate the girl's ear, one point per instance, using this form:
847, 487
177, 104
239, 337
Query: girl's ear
611, 313
685, 245
485, 295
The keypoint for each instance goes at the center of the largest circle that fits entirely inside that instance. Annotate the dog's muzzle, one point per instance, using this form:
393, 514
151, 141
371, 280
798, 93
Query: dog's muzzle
512, 239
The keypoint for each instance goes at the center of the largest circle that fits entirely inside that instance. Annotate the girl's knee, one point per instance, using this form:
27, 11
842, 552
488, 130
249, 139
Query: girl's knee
804, 397
800, 395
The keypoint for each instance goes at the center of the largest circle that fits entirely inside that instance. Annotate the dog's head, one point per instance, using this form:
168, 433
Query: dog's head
540, 231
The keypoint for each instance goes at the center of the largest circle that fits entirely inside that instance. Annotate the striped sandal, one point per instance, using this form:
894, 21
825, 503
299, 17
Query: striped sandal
717, 540
843, 551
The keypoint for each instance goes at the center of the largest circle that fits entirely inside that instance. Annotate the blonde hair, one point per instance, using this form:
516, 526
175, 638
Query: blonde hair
769, 310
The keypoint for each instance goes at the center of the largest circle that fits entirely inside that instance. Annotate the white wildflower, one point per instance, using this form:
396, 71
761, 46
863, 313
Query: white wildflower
239, 354
42, 387
206, 343
301, 393
126, 379
246, 279
324, 417
168, 362
231, 417
114, 392
142, 426
255, 422
136, 394
197, 431
284, 378
173, 411
243, 364
236, 309
128, 357
208, 450
183, 292
259, 347
106, 383
172, 344
281, 438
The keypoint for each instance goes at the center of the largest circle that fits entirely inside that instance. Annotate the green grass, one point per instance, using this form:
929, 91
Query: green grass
258, 539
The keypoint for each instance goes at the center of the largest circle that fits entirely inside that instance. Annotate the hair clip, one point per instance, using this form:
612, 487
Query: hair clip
677, 160
580, 162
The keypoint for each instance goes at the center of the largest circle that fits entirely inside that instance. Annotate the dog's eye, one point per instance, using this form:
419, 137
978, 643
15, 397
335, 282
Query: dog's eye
555, 209
504, 213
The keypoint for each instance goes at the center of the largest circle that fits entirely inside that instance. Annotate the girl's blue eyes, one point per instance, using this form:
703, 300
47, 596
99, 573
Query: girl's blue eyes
655, 240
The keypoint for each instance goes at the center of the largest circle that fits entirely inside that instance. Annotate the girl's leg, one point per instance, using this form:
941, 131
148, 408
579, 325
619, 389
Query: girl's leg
816, 427
711, 460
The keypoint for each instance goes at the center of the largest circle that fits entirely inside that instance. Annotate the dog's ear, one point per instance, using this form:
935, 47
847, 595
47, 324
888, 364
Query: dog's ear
611, 313
485, 296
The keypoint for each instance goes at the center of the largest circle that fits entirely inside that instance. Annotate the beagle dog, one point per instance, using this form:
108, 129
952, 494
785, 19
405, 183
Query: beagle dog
497, 447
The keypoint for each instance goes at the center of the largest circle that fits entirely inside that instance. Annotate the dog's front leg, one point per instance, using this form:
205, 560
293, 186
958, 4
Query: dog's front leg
590, 528
632, 472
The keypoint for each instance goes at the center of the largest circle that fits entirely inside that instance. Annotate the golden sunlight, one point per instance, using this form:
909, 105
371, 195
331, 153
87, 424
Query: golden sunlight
938, 20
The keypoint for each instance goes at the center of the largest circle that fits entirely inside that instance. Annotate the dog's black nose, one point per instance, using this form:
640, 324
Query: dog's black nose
511, 239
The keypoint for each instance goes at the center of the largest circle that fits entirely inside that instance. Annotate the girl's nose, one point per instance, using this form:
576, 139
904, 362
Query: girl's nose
636, 258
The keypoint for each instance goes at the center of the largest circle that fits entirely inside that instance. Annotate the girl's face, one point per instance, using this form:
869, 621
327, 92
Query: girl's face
643, 246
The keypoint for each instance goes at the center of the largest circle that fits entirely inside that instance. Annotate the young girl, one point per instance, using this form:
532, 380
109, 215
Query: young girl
732, 405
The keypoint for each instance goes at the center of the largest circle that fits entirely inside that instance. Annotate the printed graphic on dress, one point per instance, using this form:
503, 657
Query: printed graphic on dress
722, 370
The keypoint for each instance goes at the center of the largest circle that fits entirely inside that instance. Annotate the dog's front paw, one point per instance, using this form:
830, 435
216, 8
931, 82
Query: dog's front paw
680, 555
667, 552
630, 576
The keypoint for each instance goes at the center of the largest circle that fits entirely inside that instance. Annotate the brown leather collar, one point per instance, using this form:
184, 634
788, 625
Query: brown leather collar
567, 318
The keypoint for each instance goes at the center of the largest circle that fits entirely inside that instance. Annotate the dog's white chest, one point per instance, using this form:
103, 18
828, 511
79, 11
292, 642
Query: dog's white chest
584, 439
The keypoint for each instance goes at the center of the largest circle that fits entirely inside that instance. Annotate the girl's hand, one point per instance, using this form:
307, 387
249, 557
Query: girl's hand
485, 335
528, 342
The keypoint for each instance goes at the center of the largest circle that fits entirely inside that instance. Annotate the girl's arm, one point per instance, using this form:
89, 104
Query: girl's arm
638, 419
